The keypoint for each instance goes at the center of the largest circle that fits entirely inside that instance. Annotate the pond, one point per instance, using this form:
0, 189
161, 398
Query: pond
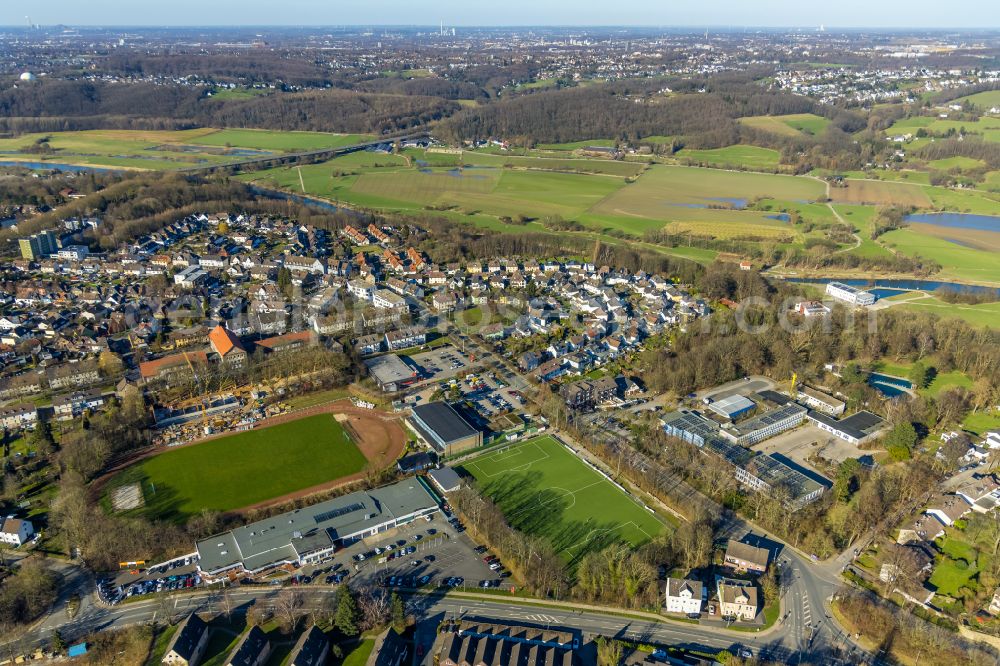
957, 220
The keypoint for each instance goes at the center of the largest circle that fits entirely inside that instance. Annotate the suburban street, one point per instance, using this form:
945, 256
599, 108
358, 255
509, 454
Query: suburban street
432, 608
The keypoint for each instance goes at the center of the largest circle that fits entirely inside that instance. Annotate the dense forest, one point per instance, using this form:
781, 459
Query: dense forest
67, 105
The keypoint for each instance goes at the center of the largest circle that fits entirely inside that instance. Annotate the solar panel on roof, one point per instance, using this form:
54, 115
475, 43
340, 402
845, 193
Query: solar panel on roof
342, 511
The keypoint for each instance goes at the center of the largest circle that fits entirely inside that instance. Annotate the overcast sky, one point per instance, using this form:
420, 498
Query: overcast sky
839, 13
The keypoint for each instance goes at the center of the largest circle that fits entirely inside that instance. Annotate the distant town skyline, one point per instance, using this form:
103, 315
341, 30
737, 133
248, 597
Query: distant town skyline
457, 13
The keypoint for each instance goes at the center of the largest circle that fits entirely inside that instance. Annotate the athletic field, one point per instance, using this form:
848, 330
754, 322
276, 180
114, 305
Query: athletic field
243, 469
545, 489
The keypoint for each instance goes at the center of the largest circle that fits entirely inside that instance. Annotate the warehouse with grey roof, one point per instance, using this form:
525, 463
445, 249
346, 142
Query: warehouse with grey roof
444, 429
310, 534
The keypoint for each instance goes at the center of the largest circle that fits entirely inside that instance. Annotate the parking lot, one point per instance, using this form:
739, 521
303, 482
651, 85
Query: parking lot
807, 441
178, 574
423, 553
441, 363
489, 394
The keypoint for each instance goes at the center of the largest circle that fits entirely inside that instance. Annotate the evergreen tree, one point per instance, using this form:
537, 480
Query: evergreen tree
398, 614
346, 618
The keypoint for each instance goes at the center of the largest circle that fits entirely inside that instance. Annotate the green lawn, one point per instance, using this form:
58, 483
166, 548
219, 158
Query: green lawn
244, 468
357, 655
940, 382
957, 549
949, 576
981, 314
981, 422
545, 489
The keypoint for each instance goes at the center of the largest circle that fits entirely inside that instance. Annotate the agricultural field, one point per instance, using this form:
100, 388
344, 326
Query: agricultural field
880, 193
752, 157
544, 489
984, 100
988, 127
794, 124
162, 149
541, 163
958, 162
662, 188
576, 145
957, 261
240, 470
278, 141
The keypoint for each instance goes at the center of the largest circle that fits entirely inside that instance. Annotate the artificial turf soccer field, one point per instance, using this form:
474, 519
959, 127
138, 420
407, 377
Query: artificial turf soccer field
546, 490
245, 468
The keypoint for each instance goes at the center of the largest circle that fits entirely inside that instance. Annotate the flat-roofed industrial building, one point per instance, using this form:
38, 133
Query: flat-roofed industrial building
444, 429
308, 535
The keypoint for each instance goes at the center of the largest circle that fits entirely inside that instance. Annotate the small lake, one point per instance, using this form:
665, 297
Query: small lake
900, 285
52, 166
958, 220
783, 217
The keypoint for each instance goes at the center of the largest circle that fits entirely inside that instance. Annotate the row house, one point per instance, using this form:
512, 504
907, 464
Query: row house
412, 336
74, 404
16, 417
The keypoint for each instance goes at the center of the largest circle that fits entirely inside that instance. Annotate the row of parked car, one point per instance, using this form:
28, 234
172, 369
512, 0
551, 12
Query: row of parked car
493, 562
406, 581
110, 593
180, 562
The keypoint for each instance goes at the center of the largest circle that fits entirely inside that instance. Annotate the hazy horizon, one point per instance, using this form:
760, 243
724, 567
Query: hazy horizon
847, 14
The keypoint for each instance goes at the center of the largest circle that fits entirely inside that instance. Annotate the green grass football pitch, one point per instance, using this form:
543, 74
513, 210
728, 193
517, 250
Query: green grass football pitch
242, 469
544, 489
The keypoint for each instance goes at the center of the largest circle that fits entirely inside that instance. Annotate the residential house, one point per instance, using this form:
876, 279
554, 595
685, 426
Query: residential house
288, 342
15, 417
925, 528
176, 365
411, 336
28, 383
738, 599
684, 596
73, 374
948, 509
188, 644
15, 531
252, 650
982, 492
229, 348
367, 345
74, 404
310, 265
444, 301
312, 649
744, 557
